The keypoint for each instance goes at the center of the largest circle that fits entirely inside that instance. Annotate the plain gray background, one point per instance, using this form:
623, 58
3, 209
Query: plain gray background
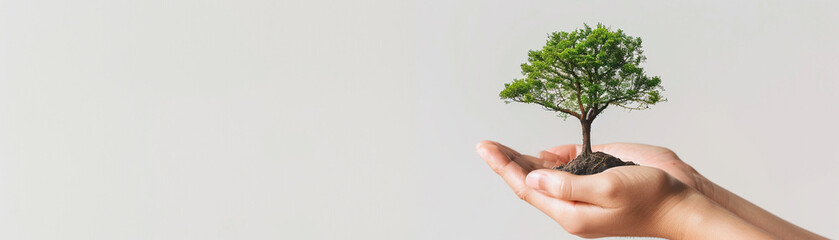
358, 119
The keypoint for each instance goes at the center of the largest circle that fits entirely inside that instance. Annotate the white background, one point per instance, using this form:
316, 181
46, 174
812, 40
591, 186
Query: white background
358, 119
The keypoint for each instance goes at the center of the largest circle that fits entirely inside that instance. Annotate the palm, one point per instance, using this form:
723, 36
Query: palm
645, 155
653, 156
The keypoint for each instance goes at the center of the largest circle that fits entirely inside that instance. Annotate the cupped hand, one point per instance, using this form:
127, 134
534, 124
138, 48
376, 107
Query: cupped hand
642, 154
622, 201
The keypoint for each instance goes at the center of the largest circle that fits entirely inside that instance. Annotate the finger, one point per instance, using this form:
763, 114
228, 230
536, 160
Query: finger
549, 158
571, 215
514, 176
527, 162
512, 154
530, 163
567, 186
498, 161
564, 153
512, 173
555, 208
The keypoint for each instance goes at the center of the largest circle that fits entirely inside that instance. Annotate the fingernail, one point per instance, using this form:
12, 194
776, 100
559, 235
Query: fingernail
532, 179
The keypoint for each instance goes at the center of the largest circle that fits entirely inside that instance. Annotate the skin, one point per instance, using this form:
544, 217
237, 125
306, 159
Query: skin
662, 198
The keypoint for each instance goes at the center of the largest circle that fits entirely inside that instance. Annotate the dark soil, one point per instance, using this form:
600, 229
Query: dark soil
592, 163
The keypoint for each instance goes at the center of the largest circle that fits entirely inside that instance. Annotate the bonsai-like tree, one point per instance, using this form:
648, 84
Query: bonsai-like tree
583, 72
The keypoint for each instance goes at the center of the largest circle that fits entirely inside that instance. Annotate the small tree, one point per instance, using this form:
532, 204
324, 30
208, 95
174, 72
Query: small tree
583, 72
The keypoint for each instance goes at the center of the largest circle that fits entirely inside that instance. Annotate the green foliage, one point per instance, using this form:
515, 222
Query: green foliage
581, 73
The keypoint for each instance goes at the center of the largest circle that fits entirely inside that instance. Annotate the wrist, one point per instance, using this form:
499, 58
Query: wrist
712, 191
751, 213
679, 213
697, 217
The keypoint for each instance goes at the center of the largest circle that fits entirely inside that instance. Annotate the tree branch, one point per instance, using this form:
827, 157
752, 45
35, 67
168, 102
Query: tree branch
596, 112
641, 107
569, 112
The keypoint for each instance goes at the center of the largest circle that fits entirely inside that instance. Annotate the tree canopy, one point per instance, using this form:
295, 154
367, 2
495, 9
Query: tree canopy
582, 72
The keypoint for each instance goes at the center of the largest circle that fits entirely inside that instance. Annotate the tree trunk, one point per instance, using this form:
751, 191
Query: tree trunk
586, 137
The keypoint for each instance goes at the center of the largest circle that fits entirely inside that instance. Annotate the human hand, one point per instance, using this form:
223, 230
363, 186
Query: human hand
622, 201
588, 206
642, 154
645, 155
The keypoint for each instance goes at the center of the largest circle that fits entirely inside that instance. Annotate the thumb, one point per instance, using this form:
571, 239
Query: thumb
564, 185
